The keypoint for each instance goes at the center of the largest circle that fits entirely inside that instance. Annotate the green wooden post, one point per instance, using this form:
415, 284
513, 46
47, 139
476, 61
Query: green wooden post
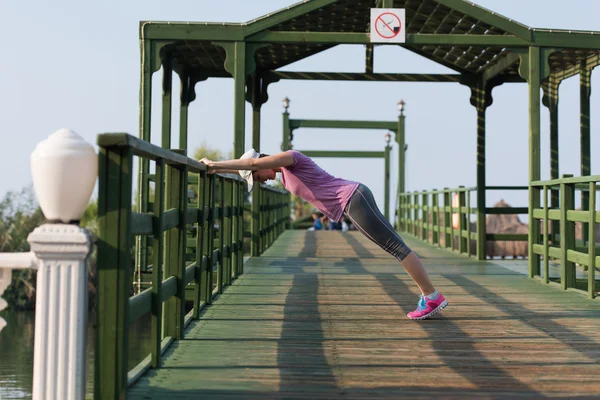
210, 242
545, 229
534, 81
256, 107
166, 103
424, 215
114, 273
183, 111
415, 214
567, 234
585, 94
468, 222
157, 262
200, 245
386, 196
591, 243
401, 140
236, 227
228, 232
239, 76
436, 217
147, 50
447, 219
222, 244
550, 100
481, 185
175, 242
461, 221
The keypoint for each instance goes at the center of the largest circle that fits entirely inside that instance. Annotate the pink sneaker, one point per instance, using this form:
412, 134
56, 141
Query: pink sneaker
427, 307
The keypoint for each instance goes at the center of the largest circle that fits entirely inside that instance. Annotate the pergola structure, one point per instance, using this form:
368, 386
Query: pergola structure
484, 49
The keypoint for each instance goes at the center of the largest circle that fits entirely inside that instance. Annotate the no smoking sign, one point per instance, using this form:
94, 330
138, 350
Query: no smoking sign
387, 25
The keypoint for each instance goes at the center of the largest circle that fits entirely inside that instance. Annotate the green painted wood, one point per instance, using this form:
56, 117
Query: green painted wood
221, 235
141, 224
343, 154
546, 227
421, 39
585, 139
183, 110
297, 325
170, 219
567, 234
591, 245
368, 76
401, 141
154, 31
158, 263
173, 315
140, 304
227, 233
201, 252
534, 81
145, 105
566, 39
386, 183
513, 237
167, 85
344, 124
210, 232
147, 150
113, 272
481, 173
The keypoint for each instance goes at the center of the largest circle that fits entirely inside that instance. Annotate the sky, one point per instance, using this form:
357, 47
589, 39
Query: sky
73, 64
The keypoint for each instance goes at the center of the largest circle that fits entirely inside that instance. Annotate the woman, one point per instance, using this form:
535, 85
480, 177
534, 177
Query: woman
335, 197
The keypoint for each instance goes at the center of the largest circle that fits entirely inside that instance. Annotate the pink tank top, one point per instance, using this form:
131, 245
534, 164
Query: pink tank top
310, 182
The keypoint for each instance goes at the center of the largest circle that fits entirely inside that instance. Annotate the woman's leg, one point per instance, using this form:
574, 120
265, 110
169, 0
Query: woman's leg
366, 217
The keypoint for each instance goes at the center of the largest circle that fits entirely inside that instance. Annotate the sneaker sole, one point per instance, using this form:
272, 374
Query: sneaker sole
437, 310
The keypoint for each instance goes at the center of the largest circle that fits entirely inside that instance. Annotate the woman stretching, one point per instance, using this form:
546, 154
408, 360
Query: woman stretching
335, 197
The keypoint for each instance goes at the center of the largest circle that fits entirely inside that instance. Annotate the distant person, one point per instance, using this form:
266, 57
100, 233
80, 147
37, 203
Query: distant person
335, 197
344, 224
317, 225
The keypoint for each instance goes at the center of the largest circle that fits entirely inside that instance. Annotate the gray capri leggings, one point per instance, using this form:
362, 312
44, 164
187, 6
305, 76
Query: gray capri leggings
366, 217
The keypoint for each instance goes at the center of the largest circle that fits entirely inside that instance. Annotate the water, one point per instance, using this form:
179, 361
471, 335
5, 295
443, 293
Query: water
16, 352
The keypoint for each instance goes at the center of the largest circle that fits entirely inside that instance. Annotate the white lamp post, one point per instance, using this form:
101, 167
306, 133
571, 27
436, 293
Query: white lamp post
64, 169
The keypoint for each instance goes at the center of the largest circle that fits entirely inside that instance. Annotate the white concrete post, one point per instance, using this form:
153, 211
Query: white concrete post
60, 311
64, 170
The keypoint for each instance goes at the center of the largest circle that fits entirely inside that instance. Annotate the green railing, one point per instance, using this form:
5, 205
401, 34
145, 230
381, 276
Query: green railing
171, 218
429, 215
557, 239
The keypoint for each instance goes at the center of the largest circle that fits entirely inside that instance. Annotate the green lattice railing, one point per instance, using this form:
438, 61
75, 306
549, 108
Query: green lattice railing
172, 216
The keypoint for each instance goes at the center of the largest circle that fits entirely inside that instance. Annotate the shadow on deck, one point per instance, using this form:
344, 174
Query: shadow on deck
322, 315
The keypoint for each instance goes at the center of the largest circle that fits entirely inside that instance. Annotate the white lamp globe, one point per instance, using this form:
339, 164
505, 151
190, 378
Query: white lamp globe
64, 168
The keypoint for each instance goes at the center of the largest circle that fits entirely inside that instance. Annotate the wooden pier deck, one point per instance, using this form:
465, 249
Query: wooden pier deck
322, 315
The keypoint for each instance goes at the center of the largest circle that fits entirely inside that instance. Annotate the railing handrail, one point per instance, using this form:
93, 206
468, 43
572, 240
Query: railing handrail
570, 180
441, 191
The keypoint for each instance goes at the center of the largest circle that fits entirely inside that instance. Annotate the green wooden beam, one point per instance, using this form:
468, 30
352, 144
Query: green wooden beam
190, 31
343, 154
352, 76
566, 39
285, 15
316, 123
364, 38
501, 66
489, 17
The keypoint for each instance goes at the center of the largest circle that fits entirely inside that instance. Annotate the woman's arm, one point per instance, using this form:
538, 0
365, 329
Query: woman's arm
284, 159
